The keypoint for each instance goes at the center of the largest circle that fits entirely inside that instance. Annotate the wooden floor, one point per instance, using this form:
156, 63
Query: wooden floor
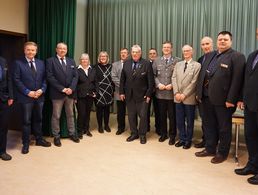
107, 164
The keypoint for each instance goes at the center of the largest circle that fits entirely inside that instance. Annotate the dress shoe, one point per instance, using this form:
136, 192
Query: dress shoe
253, 180
171, 141
80, 135
200, 144
43, 142
187, 145
74, 138
179, 144
57, 142
163, 138
25, 149
204, 153
119, 132
245, 171
107, 129
143, 139
88, 133
132, 137
218, 158
4, 156
100, 129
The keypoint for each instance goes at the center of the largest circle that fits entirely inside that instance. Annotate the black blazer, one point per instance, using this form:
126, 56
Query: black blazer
250, 85
59, 79
6, 90
86, 84
138, 85
226, 80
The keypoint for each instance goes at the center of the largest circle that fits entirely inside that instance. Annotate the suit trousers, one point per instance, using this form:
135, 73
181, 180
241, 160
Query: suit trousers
167, 110
251, 137
84, 106
217, 122
4, 115
157, 114
31, 121
103, 112
58, 104
185, 121
135, 109
121, 111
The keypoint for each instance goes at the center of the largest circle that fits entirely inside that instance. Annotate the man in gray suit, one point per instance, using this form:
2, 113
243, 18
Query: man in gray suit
163, 68
184, 80
116, 74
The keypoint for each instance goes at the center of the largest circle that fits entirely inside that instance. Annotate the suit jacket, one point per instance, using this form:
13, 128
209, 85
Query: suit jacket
116, 75
140, 83
86, 85
25, 81
162, 74
250, 85
185, 82
6, 90
59, 79
226, 80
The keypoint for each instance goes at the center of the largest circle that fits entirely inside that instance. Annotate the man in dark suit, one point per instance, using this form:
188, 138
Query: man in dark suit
30, 82
207, 47
136, 88
250, 98
6, 100
62, 77
218, 88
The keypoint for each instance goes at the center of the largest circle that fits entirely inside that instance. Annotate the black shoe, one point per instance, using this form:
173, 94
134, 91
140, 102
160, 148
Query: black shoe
187, 145
245, 171
218, 158
57, 142
88, 133
179, 144
204, 153
80, 135
119, 132
143, 139
253, 180
100, 129
25, 149
74, 138
4, 156
171, 141
132, 137
200, 144
43, 142
107, 129
163, 138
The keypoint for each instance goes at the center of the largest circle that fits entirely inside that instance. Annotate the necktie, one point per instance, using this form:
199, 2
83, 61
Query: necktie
134, 67
1, 73
185, 66
33, 69
63, 64
255, 62
166, 60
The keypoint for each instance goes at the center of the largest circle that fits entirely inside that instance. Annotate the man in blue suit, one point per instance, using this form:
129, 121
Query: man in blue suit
62, 77
6, 100
30, 81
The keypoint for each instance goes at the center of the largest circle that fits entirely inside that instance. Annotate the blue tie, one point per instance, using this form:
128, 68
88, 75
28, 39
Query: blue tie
1, 73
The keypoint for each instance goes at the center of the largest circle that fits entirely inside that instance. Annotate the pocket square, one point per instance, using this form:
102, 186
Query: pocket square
224, 65
143, 73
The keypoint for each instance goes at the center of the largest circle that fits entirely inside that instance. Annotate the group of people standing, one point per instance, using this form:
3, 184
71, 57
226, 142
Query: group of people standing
218, 82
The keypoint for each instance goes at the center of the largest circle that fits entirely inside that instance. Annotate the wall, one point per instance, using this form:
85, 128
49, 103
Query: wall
14, 16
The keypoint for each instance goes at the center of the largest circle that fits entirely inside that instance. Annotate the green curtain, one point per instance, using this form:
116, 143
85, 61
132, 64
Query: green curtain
50, 22
113, 24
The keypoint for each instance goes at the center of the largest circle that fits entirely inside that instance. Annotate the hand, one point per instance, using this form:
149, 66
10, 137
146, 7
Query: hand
39, 92
32, 94
69, 91
240, 105
94, 95
161, 87
178, 97
182, 96
147, 99
229, 105
64, 90
122, 97
168, 87
10, 102
75, 101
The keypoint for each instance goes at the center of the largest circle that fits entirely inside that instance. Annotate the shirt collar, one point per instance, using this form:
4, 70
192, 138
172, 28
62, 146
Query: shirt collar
188, 61
60, 57
28, 60
80, 66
